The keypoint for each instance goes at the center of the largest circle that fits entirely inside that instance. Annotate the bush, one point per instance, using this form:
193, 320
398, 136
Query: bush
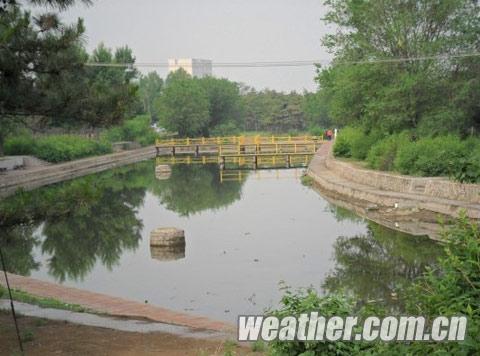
137, 129
341, 148
467, 170
306, 301
316, 131
353, 142
453, 291
382, 154
59, 148
431, 156
19, 145
362, 143
343, 143
225, 129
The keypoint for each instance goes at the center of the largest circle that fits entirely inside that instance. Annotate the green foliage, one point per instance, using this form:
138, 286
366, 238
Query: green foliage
382, 154
451, 290
354, 143
225, 129
342, 148
467, 170
59, 148
430, 156
184, 106
137, 129
306, 301
273, 111
44, 77
315, 107
56, 148
432, 96
28, 298
225, 104
149, 90
316, 131
259, 346
19, 145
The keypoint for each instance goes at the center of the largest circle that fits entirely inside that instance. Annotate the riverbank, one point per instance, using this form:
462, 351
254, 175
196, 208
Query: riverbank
35, 177
114, 306
45, 337
394, 194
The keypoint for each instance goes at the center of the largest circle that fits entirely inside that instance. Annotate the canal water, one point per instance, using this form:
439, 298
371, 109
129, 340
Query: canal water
246, 239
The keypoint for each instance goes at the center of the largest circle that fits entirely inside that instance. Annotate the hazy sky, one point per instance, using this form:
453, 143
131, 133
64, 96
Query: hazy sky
221, 30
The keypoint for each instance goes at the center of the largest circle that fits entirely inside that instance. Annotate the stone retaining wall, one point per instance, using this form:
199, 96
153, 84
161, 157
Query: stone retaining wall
39, 176
429, 186
400, 194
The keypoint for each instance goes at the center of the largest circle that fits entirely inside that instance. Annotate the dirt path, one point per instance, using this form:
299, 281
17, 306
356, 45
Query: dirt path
46, 337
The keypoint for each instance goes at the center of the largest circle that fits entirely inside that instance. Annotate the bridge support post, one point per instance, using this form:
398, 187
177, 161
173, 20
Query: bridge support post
255, 162
196, 150
287, 161
173, 150
158, 150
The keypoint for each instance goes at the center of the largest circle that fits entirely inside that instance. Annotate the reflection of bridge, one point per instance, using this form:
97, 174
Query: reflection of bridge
240, 151
240, 175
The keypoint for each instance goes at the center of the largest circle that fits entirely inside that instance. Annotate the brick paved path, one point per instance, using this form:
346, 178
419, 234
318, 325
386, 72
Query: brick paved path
114, 306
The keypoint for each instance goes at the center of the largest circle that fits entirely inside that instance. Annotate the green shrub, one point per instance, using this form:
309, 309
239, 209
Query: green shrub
137, 129
343, 142
361, 143
114, 134
316, 131
353, 142
451, 290
59, 148
306, 301
225, 129
382, 154
431, 156
19, 145
342, 148
467, 170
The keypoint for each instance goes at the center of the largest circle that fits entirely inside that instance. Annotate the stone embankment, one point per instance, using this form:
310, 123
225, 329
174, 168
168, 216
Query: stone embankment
396, 194
41, 175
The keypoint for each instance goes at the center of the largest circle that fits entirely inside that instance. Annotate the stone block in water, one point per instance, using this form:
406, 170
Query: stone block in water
163, 171
167, 253
167, 236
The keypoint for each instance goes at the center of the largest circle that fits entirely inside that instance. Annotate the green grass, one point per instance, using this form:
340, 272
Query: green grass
259, 346
25, 297
307, 180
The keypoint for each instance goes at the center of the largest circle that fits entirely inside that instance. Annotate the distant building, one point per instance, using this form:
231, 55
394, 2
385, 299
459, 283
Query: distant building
195, 67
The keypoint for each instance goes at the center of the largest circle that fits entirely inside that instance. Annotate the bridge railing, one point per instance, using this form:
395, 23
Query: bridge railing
236, 140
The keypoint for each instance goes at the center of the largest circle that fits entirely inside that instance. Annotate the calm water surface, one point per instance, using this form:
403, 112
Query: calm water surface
243, 239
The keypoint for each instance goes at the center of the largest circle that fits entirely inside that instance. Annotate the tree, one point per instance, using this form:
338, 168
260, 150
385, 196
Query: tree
111, 95
35, 53
150, 89
225, 101
44, 79
315, 108
428, 95
184, 105
273, 111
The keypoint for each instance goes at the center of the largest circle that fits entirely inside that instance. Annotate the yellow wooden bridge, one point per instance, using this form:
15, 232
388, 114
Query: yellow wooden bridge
240, 151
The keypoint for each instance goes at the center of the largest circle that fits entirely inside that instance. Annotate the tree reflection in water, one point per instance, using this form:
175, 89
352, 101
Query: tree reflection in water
194, 188
95, 218
376, 266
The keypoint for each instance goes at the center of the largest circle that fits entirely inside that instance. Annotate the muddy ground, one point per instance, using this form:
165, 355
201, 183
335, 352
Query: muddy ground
47, 337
